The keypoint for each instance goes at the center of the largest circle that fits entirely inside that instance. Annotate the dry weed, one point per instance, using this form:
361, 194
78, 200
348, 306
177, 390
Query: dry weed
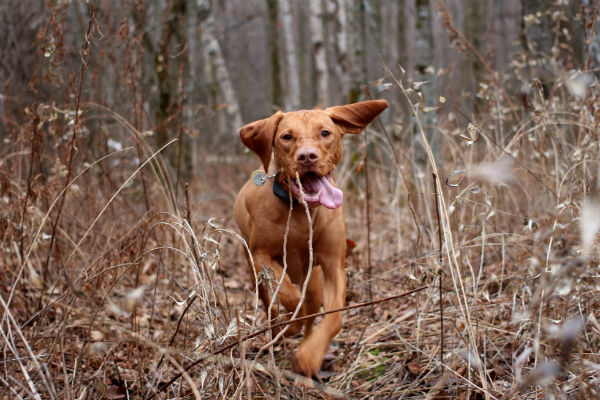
118, 282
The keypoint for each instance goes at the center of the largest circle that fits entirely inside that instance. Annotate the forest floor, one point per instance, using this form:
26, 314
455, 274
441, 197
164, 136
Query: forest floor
127, 283
146, 292
475, 214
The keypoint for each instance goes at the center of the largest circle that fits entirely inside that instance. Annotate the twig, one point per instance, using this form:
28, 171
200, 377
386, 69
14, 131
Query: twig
42, 371
285, 265
179, 132
452, 256
177, 329
39, 230
127, 181
310, 268
36, 128
189, 220
280, 282
409, 199
441, 270
521, 164
164, 386
85, 52
368, 206
276, 292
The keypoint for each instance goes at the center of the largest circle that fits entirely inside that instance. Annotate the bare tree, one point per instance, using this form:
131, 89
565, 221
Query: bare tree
216, 67
273, 39
319, 51
292, 75
474, 27
173, 21
340, 46
355, 34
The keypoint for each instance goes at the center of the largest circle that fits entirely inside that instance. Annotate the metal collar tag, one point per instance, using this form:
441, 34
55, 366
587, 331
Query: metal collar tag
259, 177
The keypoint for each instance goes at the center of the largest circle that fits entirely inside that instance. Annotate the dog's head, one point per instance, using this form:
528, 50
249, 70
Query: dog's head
308, 142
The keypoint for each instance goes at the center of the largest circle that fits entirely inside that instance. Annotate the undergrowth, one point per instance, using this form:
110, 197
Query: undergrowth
120, 281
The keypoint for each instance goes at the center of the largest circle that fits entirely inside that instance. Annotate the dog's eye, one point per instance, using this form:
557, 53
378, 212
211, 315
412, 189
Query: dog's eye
287, 136
325, 133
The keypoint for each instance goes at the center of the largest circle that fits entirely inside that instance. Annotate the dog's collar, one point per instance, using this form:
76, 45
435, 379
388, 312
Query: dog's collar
259, 178
280, 192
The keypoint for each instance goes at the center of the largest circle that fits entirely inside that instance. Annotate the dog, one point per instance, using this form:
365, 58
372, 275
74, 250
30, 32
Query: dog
306, 144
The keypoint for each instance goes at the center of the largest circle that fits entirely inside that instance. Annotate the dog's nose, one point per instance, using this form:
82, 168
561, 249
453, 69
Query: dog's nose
307, 156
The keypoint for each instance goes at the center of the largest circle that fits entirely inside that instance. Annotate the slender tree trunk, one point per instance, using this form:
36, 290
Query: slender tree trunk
191, 88
305, 55
392, 27
341, 48
536, 36
292, 74
355, 33
404, 44
273, 38
502, 47
173, 18
424, 55
474, 28
215, 63
319, 51
408, 31
425, 71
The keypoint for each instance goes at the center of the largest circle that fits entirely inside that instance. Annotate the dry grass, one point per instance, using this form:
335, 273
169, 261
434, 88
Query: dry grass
117, 279
127, 298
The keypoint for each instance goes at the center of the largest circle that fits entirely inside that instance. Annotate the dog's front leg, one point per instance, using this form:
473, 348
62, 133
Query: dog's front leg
288, 295
308, 358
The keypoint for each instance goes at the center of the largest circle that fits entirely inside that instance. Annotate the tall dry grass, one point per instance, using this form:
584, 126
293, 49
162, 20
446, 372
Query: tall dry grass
119, 281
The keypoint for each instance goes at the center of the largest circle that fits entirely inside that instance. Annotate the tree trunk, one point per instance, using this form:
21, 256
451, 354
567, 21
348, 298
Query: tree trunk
536, 35
273, 38
341, 48
390, 33
215, 63
404, 43
192, 90
475, 29
173, 28
292, 75
409, 51
355, 33
319, 52
425, 71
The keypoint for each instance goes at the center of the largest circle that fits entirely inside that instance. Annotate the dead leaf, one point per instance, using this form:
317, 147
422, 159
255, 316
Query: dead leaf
415, 368
233, 284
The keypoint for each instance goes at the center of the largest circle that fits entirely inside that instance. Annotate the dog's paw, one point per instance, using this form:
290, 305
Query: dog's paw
306, 362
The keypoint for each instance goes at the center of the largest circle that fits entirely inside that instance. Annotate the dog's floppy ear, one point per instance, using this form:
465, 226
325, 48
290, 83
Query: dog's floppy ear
353, 118
258, 136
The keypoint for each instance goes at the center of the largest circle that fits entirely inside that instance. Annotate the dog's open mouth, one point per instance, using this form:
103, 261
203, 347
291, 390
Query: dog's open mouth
318, 190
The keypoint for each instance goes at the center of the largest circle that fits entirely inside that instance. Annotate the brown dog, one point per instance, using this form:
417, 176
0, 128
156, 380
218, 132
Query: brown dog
307, 143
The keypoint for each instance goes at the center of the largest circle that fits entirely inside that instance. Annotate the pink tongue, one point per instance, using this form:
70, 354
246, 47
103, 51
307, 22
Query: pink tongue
331, 197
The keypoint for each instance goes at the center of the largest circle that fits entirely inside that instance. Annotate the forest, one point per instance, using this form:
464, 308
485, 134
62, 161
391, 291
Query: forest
471, 203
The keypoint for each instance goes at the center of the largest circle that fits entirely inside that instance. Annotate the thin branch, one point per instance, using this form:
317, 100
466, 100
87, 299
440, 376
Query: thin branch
191, 365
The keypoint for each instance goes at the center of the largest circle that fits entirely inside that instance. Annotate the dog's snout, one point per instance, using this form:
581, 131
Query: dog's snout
307, 156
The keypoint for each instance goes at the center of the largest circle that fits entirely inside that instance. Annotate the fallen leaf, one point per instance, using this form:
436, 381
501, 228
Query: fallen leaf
414, 367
